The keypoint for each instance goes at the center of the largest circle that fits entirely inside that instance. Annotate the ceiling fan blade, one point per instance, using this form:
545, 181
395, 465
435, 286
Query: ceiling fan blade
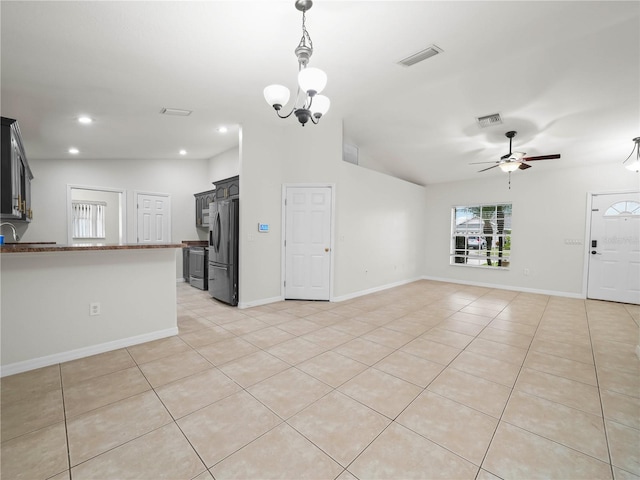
485, 169
542, 157
479, 163
524, 166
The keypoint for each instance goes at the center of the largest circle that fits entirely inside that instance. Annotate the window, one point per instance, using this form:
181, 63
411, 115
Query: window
481, 235
623, 208
88, 219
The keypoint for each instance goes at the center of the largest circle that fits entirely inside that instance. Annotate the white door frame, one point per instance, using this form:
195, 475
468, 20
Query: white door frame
283, 275
135, 216
587, 235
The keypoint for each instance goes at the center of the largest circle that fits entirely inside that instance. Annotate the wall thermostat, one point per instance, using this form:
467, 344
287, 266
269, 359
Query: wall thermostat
263, 227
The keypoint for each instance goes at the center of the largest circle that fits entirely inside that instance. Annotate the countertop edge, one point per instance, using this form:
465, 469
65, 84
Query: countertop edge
36, 248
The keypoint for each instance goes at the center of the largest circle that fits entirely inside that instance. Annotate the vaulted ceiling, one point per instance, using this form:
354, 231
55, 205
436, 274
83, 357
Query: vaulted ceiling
565, 75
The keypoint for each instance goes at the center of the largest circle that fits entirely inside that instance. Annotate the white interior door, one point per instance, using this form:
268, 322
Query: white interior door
154, 218
307, 243
614, 248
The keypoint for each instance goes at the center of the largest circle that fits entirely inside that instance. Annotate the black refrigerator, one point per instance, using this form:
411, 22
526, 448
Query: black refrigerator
223, 250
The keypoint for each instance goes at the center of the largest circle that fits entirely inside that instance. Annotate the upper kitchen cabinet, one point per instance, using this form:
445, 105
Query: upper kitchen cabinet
15, 175
228, 188
203, 199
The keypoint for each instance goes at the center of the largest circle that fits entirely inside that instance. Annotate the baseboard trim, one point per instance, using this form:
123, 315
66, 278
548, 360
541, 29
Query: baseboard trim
349, 296
257, 303
506, 287
61, 357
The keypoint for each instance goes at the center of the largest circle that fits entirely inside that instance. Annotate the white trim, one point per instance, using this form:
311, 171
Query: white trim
331, 186
361, 293
122, 210
506, 287
56, 358
257, 303
638, 351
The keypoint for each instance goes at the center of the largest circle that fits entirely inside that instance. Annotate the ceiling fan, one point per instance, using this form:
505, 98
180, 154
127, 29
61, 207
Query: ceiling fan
513, 161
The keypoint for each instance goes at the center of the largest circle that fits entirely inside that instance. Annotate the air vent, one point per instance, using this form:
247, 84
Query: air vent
175, 111
489, 120
420, 56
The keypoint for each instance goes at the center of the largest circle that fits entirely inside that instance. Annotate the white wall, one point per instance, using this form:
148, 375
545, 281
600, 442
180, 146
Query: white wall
379, 224
549, 207
180, 178
224, 165
381, 231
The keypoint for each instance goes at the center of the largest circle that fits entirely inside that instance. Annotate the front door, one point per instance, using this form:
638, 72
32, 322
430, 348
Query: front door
614, 248
307, 243
154, 218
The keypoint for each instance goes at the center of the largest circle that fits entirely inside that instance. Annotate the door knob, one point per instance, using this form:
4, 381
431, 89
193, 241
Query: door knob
593, 252
326, 249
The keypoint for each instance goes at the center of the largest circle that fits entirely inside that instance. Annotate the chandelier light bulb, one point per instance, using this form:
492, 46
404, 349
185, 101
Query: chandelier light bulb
634, 166
320, 105
312, 80
277, 96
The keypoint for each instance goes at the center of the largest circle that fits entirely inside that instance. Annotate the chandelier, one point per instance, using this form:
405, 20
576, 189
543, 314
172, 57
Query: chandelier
311, 81
634, 166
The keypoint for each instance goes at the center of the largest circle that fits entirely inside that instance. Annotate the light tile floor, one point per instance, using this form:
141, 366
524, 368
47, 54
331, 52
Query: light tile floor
428, 380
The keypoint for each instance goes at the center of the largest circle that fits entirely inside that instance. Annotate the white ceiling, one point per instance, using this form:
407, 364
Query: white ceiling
565, 75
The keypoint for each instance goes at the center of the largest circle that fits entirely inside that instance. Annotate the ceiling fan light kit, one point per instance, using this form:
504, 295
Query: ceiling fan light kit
513, 161
311, 81
634, 166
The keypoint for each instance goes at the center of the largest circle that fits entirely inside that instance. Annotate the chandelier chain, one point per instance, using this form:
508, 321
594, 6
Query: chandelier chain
305, 35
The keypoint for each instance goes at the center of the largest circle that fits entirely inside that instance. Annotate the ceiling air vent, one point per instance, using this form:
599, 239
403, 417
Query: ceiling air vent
489, 120
420, 56
175, 111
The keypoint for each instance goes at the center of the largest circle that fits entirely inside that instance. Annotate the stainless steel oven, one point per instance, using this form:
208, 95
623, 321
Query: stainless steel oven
198, 267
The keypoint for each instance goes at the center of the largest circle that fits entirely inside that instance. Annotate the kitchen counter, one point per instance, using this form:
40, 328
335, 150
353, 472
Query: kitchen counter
62, 302
78, 247
195, 243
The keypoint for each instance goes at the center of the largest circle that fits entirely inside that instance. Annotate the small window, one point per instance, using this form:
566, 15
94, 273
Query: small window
623, 208
481, 235
88, 219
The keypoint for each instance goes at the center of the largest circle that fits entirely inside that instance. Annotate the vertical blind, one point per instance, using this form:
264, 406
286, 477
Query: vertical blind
89, 219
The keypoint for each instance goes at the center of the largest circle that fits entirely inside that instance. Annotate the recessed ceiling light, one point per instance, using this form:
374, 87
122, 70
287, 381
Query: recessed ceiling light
223, 129
183, 152
74, 151
84, 119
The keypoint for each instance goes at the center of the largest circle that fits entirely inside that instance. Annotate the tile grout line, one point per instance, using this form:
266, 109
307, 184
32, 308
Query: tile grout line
595, 368
66, 427
512, 390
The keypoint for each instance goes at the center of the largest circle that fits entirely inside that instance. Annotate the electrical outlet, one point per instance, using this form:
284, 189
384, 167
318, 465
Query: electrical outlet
94, 308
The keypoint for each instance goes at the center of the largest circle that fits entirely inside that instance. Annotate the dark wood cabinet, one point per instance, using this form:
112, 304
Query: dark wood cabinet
228, 188
203, 199
15, 175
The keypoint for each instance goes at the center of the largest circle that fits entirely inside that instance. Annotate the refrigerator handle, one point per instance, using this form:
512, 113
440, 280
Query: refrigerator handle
217, 238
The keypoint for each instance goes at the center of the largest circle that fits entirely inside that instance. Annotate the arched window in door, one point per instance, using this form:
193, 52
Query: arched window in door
623, 208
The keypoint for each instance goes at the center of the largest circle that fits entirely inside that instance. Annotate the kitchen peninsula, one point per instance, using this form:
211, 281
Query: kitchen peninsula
62, 302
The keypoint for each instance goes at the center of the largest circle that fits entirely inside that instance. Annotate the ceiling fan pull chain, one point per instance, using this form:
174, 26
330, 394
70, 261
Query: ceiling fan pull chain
509, 179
